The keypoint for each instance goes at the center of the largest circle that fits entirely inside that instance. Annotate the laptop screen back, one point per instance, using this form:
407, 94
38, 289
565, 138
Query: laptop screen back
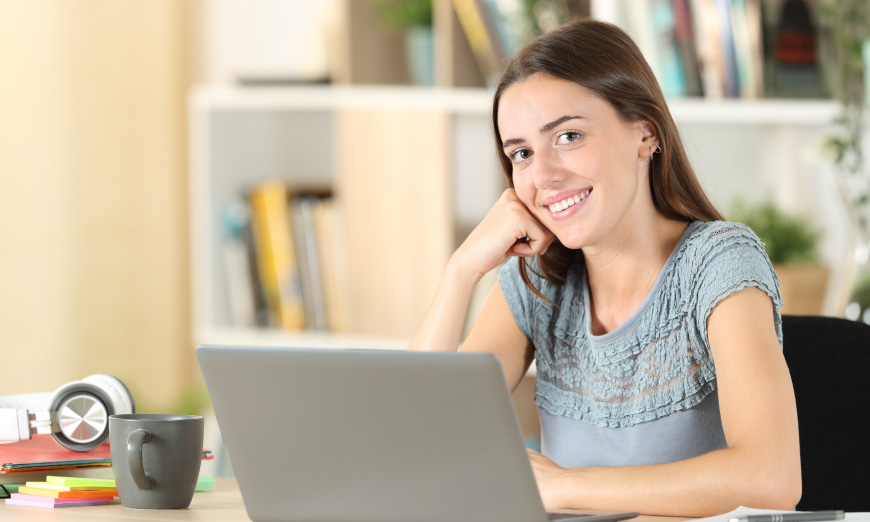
364, 435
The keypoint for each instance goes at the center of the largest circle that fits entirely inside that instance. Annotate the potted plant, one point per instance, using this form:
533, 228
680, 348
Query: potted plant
414, 17
858, 308
791, 244
847, 146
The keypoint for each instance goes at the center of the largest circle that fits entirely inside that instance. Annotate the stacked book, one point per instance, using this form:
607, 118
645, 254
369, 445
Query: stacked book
281, 257
58, 492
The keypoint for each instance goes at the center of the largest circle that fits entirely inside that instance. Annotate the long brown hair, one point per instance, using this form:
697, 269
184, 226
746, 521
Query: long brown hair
603, 59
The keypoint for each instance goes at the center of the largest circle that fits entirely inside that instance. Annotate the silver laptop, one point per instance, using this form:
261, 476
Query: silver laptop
370, 435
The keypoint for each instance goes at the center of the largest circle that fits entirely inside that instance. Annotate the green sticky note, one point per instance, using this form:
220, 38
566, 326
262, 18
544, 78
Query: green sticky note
205, 484
80, 481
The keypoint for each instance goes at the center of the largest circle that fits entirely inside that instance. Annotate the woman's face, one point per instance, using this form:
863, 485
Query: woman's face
577, 166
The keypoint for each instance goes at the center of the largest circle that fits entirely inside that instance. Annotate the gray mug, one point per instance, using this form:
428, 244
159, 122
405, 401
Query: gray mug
156, 459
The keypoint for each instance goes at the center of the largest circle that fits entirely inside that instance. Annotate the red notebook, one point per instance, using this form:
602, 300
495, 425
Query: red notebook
42, 452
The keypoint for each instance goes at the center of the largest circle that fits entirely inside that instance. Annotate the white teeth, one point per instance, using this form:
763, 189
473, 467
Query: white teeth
567, 202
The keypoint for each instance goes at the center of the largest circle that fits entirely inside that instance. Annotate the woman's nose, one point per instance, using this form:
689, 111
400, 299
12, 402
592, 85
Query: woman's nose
548, 171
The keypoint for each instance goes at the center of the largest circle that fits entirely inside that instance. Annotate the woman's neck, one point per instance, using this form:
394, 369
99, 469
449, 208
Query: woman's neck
622, 272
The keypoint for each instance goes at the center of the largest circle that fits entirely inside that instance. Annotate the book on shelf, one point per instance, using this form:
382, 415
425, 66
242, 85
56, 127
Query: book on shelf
795, 38
240, 272
724, 48
727, 43
275, 255
748, 48
330, 255
684, 39
495, 30
709, 48
308, 256
279, 255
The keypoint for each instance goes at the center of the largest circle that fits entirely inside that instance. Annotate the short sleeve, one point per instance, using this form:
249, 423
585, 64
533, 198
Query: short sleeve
517, 295
733, 258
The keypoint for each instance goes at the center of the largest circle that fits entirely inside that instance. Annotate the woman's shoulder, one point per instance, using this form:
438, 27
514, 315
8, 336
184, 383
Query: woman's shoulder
721, 233
710, 239
721, 255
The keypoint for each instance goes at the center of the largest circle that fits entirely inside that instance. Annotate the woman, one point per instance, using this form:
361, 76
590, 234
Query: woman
655, 325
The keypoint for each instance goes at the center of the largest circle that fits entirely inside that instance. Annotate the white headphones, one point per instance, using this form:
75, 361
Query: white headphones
76, 414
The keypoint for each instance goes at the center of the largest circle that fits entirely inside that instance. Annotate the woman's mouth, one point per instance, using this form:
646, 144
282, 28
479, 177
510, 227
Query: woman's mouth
558, 208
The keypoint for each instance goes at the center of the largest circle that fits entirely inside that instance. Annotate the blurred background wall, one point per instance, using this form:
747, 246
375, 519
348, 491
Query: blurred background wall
93, 234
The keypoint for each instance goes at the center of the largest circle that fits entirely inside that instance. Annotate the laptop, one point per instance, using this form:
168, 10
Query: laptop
373, 436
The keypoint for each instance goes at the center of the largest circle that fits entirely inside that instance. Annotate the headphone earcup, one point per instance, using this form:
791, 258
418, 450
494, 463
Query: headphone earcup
122, 399
83, 408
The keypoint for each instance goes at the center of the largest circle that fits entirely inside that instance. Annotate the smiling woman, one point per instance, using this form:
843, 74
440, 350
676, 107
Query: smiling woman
625, 289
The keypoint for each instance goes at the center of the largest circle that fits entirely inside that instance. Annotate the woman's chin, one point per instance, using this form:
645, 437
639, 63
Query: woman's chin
572, 242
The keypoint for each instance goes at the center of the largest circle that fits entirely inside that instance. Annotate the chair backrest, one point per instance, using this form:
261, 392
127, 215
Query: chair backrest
829, 361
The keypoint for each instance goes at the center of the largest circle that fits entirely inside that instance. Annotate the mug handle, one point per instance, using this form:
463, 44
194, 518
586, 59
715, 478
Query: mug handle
135, 440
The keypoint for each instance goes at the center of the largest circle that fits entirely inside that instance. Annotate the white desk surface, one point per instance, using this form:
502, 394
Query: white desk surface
222, 504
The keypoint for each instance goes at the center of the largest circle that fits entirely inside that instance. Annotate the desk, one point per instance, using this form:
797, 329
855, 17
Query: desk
222, 504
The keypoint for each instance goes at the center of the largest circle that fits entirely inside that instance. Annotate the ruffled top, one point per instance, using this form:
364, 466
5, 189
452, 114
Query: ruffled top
659, 360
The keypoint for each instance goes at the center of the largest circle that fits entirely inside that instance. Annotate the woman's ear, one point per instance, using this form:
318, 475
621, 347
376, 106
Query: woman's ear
650, 142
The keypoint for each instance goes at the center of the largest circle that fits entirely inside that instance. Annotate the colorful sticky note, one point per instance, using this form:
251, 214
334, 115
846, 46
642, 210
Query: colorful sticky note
81, 481
51, 500
59, 487
65, 494
205, 484
16, 502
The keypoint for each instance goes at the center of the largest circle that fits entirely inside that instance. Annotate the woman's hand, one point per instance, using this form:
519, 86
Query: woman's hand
509, 229
550, 478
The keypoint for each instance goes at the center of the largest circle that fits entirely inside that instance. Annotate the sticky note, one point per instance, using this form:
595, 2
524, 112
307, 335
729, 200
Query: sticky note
81, 481
59, 487
52, 500
16, 502
205, 484
66, 494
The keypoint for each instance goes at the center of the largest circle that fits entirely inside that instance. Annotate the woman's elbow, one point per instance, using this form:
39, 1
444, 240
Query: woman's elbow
779, 489
785, 497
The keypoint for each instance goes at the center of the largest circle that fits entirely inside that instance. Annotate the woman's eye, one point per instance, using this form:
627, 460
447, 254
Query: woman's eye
520, 155
568, 137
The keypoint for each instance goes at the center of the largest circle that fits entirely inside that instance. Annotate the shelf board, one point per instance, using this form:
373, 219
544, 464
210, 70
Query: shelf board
780, 112
316, 98
477, 101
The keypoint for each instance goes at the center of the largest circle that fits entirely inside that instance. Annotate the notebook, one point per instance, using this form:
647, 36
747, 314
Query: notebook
371, 435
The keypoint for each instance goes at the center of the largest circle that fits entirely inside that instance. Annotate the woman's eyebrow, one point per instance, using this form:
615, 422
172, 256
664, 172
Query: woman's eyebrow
558, 121
513, 141
546, 128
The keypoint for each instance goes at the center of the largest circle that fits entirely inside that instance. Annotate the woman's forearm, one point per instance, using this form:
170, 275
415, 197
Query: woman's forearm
441, 329
713, 483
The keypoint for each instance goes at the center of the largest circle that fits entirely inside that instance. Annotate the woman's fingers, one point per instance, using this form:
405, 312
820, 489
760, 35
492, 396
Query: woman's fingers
509, 229
530, 246
534, 238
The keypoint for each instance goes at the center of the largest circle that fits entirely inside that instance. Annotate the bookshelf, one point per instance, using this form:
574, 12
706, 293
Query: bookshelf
417, 165
365, 143
414, 170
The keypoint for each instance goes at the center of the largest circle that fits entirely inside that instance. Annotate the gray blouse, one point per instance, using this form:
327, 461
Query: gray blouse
644, 393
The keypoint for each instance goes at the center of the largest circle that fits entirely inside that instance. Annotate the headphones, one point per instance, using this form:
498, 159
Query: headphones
76, 414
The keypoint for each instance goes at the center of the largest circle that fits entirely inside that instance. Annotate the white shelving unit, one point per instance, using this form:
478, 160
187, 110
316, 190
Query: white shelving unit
242, 136
239, 136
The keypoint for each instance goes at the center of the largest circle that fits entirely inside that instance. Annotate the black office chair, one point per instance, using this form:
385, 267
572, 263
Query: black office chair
829, 361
